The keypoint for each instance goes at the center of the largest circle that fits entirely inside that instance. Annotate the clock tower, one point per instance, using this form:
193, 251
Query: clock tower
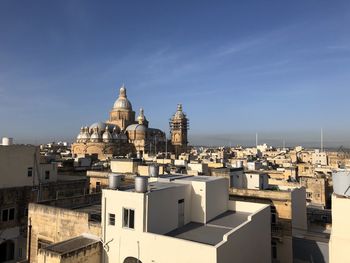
178, 131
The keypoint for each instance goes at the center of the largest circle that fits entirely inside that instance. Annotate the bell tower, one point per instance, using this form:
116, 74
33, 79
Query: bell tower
178, 131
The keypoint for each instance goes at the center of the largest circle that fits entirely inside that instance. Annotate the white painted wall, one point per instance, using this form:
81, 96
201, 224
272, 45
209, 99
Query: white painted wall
216, 198
340, 236
250, 242
162, 208
151, 247
299, 218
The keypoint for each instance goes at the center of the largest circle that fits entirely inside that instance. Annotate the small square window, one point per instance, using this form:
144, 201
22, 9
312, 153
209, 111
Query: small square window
128, 218
5, 215
111, 219
30, 171
47, 175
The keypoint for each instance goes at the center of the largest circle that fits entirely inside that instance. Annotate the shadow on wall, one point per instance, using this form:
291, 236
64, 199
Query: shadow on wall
7, 251
197, 199
305, 250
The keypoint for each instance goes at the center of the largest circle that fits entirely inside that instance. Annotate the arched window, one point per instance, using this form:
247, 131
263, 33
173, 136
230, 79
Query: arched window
131, 260
7, 251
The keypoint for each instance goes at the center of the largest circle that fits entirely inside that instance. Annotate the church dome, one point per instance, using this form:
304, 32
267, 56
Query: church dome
80, 134
102, 127
107, 136
95, 136
122, 103
179, 114
85, 137
137, 128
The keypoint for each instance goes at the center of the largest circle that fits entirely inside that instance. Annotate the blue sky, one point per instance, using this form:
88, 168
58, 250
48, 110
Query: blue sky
279, 68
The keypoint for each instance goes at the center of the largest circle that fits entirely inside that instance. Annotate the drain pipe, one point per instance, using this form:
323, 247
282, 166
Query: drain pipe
29, 237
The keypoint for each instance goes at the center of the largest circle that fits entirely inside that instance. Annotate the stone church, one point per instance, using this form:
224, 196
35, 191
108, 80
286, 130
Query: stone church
123, 134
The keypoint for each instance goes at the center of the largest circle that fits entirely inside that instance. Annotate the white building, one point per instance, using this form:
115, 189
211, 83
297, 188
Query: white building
254, 166
339, 242
197, 169
319, 158
250, 180
183, 219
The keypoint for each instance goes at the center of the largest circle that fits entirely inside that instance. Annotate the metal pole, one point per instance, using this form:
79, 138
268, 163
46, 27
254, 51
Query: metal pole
321, 140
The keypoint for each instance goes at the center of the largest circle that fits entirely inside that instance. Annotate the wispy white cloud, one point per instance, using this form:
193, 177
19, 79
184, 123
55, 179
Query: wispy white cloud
239, 46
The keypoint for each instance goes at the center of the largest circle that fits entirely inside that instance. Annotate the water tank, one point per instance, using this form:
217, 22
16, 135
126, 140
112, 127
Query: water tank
153, 170
7, 141
114, 181
141, 183
341, 182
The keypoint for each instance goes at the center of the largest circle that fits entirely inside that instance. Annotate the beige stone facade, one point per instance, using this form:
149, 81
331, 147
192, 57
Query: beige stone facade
288, 216
49, 225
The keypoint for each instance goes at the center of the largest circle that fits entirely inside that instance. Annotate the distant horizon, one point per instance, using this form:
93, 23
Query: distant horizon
195, 141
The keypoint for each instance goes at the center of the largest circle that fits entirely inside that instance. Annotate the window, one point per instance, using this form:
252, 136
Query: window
111, 219
273, 215
47, 175
98, 186
11, 214
30, 171
7, 251
8, 214
129, 218
5, 215
274, 249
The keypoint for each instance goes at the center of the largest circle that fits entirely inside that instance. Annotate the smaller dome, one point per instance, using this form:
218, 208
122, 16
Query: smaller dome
85, 137
107, 136
141, 119
95, 136
80, 134
179, 114
102, 126
137, 128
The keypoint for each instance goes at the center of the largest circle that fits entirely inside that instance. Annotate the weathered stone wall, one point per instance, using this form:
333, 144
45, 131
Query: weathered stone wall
88, 254
53, 224
74, 201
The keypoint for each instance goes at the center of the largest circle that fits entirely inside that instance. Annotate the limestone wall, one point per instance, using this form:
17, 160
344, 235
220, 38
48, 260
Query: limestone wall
52, 225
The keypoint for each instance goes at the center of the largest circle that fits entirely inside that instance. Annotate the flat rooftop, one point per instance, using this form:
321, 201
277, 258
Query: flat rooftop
157, 186
200, 178
211, 233
93, 210
71, 245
